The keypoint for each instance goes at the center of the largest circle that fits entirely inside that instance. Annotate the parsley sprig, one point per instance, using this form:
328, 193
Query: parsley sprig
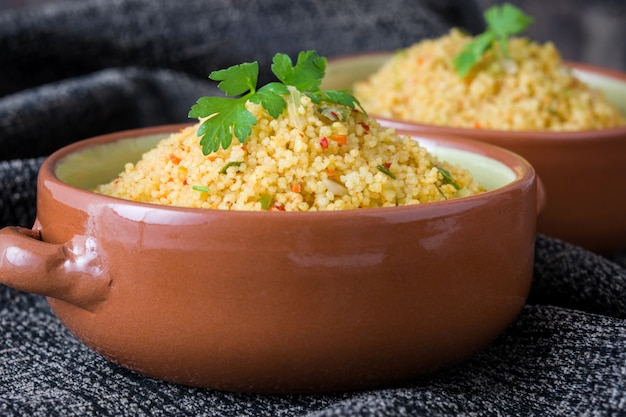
227, 117
502, 22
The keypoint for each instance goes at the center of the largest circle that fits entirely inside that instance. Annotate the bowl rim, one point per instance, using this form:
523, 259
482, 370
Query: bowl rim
611, 133
523, 171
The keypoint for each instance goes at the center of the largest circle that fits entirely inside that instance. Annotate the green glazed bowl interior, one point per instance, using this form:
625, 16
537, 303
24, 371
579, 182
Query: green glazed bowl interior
99, 164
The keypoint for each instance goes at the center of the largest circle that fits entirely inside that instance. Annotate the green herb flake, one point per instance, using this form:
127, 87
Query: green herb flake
385, 171
230, 164
265, 200
200, 188
502, 22
472, 53
441, 192
227, 117
447, 177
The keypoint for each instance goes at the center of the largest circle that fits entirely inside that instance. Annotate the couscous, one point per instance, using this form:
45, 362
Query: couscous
299, 161
531, 89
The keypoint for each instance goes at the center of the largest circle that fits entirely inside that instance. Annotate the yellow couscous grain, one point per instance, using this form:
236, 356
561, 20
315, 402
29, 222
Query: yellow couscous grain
300, 161
531, 90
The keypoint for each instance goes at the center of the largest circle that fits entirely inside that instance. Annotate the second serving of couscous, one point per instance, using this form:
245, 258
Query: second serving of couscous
531, 89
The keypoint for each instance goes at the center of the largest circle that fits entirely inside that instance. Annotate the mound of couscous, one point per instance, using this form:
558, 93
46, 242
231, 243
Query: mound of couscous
531, 90
300, 161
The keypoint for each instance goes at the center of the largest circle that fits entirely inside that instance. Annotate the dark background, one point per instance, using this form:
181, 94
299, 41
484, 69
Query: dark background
591, 31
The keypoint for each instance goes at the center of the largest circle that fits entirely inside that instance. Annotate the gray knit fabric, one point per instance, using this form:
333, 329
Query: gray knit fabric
81, 68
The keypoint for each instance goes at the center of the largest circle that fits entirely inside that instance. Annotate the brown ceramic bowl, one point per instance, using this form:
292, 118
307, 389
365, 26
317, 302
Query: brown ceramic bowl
277, 301
584, 173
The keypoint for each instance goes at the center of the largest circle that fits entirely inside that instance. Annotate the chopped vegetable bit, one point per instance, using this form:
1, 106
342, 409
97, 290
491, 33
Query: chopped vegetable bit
335, 114
502, 22
226, 117
335, 187
200, 188
385, 170
265, 200
230, 164
324, 142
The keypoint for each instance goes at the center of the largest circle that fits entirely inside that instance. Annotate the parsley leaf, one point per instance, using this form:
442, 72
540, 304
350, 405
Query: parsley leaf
306, 75
471, 53
226, 117
269, 96
505, 21
341, 97
502, 22
237, 79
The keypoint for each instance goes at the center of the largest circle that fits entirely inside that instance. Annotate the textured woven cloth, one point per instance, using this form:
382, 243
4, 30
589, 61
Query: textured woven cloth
79, 68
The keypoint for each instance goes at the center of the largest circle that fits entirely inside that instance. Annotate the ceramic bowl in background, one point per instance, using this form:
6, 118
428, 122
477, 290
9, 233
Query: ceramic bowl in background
584, 172
277, 301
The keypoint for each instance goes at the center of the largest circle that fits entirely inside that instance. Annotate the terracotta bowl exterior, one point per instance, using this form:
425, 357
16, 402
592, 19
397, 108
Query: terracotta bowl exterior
275, 302
584, 172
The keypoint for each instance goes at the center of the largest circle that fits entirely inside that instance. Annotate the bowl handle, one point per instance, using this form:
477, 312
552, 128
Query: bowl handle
70, 271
